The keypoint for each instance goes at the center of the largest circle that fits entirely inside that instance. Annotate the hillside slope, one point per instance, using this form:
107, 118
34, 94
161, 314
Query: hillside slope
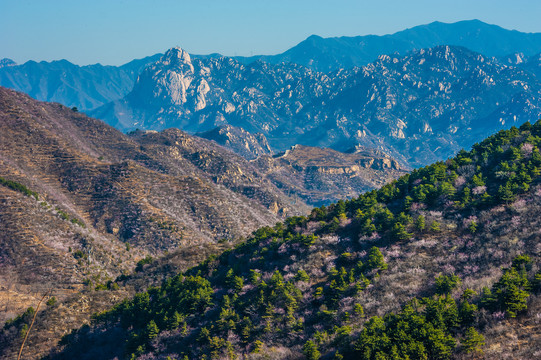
83, 205
240, 141
320, 176
442, 263
99, 193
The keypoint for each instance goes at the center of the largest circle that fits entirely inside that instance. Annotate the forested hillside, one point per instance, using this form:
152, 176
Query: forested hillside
442, 263
82, 205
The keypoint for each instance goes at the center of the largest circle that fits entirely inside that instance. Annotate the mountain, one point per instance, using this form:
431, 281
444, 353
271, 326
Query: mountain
82, 205
100, 200
319, 176
240, 141
532, 64
442, 263
411, 107
7, 62
330, 54
85, 87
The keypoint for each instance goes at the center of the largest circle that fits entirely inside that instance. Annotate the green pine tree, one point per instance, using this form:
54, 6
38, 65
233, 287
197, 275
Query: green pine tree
473, 341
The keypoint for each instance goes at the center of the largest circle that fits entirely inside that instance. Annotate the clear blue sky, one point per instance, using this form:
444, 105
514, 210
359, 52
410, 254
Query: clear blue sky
116, 31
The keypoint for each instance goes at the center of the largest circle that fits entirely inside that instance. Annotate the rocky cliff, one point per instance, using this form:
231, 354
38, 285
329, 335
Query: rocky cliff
410, 106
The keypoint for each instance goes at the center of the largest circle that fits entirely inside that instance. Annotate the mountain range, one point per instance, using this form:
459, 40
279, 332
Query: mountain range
406, 94
330, 54
82, 203
64, 82
442, 263
411, 107
180, 225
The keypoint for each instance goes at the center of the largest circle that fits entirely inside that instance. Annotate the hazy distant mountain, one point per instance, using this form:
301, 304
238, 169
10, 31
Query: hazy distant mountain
84, 87
328, 54
88, 87
7, 62
420, 107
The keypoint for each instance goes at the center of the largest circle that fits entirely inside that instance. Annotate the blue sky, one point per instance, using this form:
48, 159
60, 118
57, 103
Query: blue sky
116, 31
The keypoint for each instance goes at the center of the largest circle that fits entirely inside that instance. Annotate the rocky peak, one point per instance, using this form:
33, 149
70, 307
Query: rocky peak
177, 57
5, 62
514, 59
248, 145
397, 104
168, 80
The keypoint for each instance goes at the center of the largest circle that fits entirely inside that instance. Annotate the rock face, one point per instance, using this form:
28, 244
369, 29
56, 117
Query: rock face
240, 141
321, 176
412, 107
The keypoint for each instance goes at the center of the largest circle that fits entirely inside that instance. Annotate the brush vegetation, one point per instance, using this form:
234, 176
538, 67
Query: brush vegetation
435, 265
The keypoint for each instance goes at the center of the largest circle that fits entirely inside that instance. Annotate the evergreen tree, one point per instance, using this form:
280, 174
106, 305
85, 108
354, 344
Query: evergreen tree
399, 232
302, 276
152, 330
435, 226
310, 351
420, 223
473, 341
375, 259
445, 284
505, 193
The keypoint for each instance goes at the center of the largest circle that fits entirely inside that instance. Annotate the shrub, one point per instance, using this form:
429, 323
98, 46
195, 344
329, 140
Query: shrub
141, 263
13, 185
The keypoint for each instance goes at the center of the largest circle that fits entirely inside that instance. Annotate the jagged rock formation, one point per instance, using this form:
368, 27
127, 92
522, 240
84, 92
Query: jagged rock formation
240, 141
321, 176
412, 107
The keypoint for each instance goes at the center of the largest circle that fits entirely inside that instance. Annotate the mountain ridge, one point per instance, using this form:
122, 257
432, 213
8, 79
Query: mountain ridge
397, 104
314, 52
84, 87
332, 53
449, 253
